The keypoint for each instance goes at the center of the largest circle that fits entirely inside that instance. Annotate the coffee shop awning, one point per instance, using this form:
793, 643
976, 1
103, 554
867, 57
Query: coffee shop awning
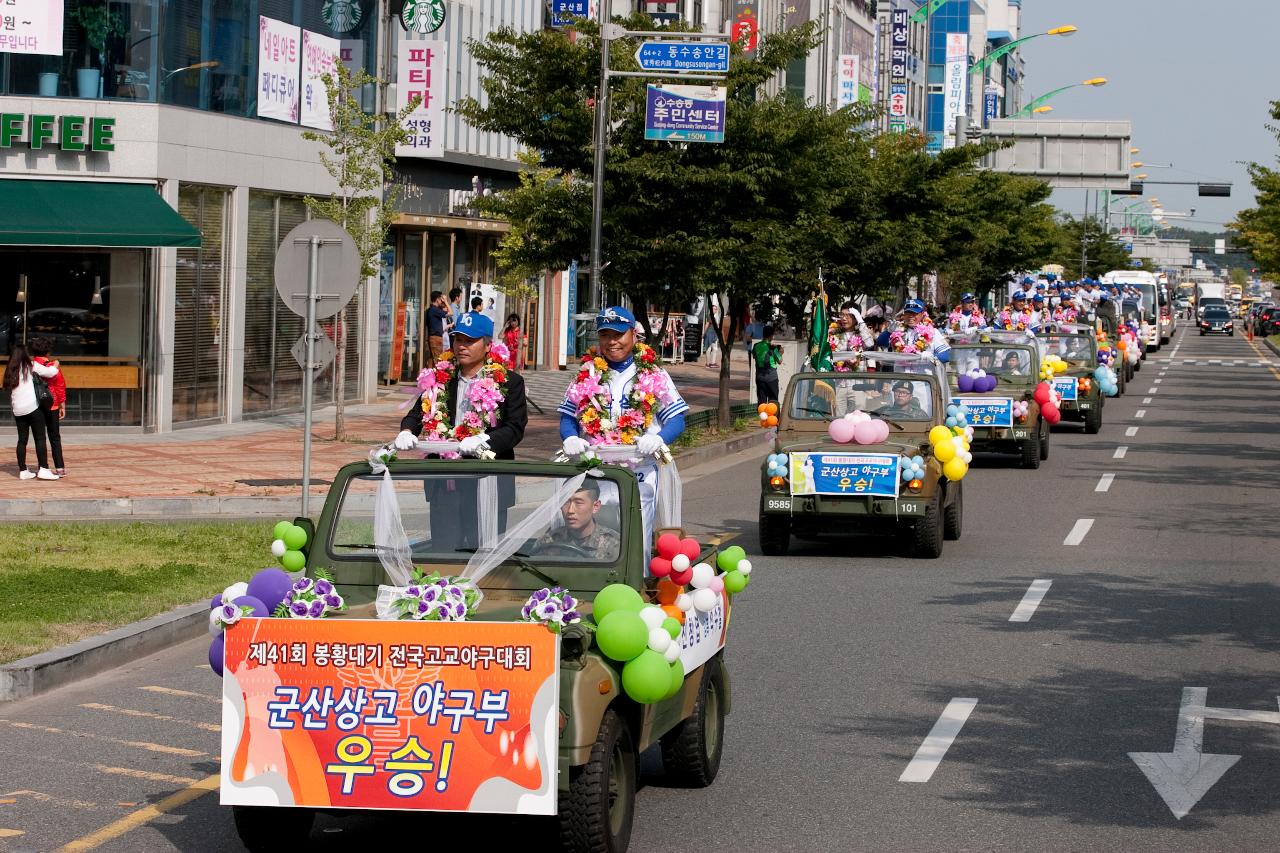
85, 213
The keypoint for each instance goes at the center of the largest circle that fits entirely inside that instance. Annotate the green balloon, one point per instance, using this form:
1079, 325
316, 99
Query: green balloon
728, 559
647, 679
615, 596
672, 625
293, 561
622, 636
677, 679
734, 582
281, 528
295, 538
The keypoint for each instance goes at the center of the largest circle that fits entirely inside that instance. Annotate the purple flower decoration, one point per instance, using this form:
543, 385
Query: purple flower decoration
412, 591
323, 587
288, 597
569, 602
460, 611
430, 594
455, 591
316, 610
542, 595
572, 616
525, 611
333, 602
228, 614
423, 607
298, 609
302, 585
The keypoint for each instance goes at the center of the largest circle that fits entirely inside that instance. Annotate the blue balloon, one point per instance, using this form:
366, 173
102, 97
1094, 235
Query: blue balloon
906, 474
917, 461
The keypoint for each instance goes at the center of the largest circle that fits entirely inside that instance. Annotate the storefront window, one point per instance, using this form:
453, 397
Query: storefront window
198, 335
272, 377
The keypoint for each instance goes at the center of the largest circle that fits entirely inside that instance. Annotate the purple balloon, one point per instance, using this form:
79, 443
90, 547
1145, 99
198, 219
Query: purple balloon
259, 609
965, 383
989, 383
216, 650
215, 602
269, 586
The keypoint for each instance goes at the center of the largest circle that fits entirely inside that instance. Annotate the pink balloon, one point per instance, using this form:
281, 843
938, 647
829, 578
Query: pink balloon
841, 430
866, 432
717, 584
882, 431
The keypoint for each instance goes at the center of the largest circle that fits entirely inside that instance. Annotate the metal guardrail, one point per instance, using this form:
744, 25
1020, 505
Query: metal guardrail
710, 417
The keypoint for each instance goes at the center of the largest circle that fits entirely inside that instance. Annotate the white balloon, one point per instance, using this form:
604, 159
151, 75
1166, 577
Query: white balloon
278, 548
684, 601
659, 640
652, 616
702, 575
744, 566
215, 627
705, 599
672, 654
234, 591
679, 562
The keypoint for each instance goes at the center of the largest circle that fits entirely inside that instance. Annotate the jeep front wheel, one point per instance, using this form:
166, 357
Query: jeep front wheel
691, 751
596, 811
1093, 421
775, 535
1031, 448
953, 516
928, 532
261, 828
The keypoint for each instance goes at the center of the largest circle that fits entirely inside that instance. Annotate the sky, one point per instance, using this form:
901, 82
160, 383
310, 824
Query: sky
1194, 76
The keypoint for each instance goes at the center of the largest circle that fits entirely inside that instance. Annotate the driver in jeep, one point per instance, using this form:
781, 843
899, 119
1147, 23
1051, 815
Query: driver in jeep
581, 529
904, 404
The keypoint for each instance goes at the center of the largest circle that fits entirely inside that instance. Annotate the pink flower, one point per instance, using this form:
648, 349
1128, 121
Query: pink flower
427, 379
588, 389
654, 382
485, 395
498, 351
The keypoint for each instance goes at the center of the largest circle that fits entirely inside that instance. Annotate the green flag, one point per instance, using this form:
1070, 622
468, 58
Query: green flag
922, 14
819, 338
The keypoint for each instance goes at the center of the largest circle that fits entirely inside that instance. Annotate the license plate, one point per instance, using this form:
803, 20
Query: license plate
910, 507
1086, 405
778, 503
1021, 433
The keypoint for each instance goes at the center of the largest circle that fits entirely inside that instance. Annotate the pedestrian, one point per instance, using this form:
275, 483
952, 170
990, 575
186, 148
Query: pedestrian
455, 306
513, 339
41, 353
711, 345
27, 399
767, 356
437, 321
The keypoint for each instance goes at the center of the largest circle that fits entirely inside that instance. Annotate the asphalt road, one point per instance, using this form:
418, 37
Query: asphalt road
844, 656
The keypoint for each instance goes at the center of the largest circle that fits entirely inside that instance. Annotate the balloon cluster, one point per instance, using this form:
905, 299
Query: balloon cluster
259, 597
858, 426
777, 464
1052, 366
768, 413
1021, 408
951, 448
976, 381
912, 469
1048, 400
290, 539
957, 415
1108, 382
643, 638
675, 558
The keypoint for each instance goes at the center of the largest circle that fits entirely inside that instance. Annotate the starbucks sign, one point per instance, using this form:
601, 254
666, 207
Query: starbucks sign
422, 16
342, 16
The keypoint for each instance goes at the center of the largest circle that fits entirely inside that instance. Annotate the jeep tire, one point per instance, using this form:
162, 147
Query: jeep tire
775, 535
597, 810
927, 543
262, 828
691, 751
1093, 421
1031, 447
1044, 442
953, 516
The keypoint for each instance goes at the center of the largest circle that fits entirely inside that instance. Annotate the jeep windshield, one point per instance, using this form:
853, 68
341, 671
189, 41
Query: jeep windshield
447, 517
894, 397
1075, 350
1011, 364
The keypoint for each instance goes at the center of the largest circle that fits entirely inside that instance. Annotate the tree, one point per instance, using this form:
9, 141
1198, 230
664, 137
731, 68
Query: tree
1104, 252
361, 153
1259, 226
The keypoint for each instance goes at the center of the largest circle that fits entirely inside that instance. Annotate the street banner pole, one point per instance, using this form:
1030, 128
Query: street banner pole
602, 128
308, 385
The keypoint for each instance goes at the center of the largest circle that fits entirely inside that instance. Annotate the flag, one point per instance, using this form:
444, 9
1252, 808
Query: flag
819, 337
922, 14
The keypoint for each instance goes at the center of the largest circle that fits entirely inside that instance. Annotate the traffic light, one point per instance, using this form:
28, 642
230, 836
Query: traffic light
1215, 190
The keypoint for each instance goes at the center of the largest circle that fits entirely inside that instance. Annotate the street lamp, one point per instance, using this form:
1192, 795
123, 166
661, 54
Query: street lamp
986, 61
1043, 110
1141, 177
1136, 164
1134, 150
1092, 82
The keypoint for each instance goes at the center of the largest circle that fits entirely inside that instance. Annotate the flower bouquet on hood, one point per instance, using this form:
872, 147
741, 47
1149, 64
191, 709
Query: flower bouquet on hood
554, 607
435, 598
311, 598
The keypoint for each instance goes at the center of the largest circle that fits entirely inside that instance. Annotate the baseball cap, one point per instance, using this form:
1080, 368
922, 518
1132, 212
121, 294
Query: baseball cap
966, 297
473, 324
914, 306
615, 318
1039, 297
1018, 296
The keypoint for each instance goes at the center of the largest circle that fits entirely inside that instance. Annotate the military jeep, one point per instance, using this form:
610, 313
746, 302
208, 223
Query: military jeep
1082, 397
1015, 362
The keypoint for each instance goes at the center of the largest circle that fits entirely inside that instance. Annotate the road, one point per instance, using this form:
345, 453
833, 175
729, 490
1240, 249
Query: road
845, 656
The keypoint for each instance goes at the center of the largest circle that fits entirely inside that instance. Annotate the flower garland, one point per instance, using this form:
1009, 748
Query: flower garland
485, 394
554, 607
436, 598
1065, 315
1013, 321
841, 341
923, 339
955, 319
590, 396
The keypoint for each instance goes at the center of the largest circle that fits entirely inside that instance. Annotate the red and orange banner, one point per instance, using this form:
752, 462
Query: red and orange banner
432, 716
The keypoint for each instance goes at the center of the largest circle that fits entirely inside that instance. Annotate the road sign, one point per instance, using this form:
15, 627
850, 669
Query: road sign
325, 351
339, 268
684, 57
684, 113
563, 12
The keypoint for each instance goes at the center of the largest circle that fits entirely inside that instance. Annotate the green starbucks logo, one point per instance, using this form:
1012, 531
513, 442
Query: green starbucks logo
422, 16
342, 16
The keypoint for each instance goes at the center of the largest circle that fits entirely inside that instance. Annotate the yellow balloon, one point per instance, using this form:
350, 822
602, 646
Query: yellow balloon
939, 434
955, 469
945, 451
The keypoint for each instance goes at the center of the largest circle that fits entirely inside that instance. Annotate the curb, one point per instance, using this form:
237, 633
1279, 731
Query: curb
82, 508
1271, 346
45, 671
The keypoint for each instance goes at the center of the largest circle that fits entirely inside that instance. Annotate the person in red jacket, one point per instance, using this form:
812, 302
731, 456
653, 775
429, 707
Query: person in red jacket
42, 352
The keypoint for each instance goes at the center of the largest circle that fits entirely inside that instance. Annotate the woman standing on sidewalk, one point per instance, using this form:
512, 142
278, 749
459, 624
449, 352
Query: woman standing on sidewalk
513, 339
20, 383
41, 352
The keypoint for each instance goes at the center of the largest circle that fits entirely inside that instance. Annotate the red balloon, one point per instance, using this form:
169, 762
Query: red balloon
659, 567
691, 549
1042, 393
682, 578
1050, 413
668, 545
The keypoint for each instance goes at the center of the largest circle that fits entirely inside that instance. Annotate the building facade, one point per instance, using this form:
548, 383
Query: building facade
902, 67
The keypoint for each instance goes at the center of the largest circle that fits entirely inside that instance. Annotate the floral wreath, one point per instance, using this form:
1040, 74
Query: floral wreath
958, 314
589, 394
1009, 324
924, 337
485, 394
840, 341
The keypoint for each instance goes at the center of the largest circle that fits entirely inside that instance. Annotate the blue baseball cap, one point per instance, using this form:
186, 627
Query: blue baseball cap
1018, 296
966, 297
914, 306
474, 325
615, 318
1039, 297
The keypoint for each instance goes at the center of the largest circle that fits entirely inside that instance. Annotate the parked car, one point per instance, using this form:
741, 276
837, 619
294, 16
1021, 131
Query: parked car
1267, 321
1216, 320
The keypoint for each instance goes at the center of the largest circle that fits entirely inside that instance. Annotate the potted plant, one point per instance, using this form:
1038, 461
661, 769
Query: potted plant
99, 24
49, 78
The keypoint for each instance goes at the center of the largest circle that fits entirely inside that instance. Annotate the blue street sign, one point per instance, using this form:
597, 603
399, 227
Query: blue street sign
564, 11
684, 113
684, 57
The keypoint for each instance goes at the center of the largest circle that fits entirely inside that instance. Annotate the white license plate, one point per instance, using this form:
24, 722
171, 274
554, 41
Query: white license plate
1086, 405
1021, 433
778, 503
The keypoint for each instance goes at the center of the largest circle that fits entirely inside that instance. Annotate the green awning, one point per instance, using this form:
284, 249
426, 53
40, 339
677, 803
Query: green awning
86, 213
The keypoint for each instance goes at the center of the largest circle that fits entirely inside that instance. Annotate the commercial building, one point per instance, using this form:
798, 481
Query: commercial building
902, 79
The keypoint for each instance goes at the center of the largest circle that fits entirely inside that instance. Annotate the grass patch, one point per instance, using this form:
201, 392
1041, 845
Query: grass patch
63, 581
1275, 340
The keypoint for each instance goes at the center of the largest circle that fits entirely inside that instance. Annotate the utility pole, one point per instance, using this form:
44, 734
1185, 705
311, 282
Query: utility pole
602, 129
1084, 236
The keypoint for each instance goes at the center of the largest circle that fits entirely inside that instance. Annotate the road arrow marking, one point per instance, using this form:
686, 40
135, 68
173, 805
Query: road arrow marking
941, 736
1185, 775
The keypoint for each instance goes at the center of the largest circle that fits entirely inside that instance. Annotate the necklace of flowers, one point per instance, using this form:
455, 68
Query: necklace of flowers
1013, 320
486, 393
590, 396
924, 337
842, 341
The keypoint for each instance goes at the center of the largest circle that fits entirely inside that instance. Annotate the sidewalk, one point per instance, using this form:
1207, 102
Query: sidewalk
256, 466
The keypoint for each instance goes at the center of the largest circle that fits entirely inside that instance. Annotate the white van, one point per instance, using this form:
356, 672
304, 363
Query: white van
1146, 283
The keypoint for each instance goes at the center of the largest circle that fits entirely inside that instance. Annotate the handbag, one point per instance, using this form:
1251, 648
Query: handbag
44, 397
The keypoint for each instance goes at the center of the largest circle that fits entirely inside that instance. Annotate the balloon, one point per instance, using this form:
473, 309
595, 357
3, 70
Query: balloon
614, 597
278, 548
679, 562
991, 383
771, 408
717, 583
729, 557
216, 650
668, 545
771, 421
690, 548
659, 639
293, 561
965, 384
735, 582
842, 431
684, 601
256, 606
269, 586
744, 566
295, 538
677, 679
647, 678
622, 635
939, 434
234, 591
760, 408
945, 451
683, 578
667, 591
216, 601
659, 567
281, 528
651, 615
215, 627
702, 575
672, 626
955, 469
672, 654
1041, 394
1050, 413
674, 612
865, 432
705, 600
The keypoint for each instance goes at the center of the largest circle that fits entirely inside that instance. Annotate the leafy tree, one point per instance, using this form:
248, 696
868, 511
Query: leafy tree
1259, 226
1104, 252
360, 154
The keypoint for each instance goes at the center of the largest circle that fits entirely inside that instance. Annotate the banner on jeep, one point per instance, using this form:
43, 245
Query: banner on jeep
988, 411
1066, 388
366, 714
874, 474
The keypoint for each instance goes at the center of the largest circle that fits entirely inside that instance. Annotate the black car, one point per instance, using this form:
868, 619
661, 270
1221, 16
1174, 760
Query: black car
1268, 321
1215, 319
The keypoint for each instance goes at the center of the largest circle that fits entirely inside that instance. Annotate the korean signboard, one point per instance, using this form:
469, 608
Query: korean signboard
898, 46
988, 411
847, 79
684, 113
421, 72
564, 11
31, 26
743, 18
990, 106
1066, 388
854, 474
367, 714
320, 56
955, 83
279, 66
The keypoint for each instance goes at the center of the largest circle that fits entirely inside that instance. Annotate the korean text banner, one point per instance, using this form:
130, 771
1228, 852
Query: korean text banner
956, 83
685, 113
431, 716
421, 71
320, 56
1066, 388
873, 474
31, 26
847, 79
989, 411
279, 66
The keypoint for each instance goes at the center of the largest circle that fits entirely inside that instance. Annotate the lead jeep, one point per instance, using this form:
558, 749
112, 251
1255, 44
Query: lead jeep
1015, 362
1082, 398
602, 732
832, 489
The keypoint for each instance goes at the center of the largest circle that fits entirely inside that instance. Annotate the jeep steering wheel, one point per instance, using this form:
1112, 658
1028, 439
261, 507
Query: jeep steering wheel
565, 549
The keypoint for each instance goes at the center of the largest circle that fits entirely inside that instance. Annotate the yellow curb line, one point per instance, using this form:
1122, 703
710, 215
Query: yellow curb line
143, 816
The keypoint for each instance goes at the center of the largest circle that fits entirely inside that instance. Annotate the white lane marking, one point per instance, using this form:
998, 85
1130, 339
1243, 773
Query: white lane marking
1027, 607
1146, 401
1131, 432
1141, 413
941, 736
1104, 485
1078, 532
1158, 381
1153, 390
1120, 452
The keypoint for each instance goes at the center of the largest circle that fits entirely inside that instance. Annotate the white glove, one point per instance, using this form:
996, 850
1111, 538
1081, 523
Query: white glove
406, 440
574, 446
649, 444
473, 444
857, 317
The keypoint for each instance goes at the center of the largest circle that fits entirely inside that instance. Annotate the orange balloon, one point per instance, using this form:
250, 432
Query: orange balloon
772, 421
668, 591
771, 408
763, 407
674, 612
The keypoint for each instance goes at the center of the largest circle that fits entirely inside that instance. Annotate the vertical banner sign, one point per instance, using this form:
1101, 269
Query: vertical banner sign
955, 82
319, 57
31, 26
847, 79
571, 330
743, 17
279, 66
370, 714
421, 72
990, 106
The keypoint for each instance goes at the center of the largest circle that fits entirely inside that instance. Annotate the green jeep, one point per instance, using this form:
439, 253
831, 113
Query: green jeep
997, 427
832, 488
602, 731
1082, 398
